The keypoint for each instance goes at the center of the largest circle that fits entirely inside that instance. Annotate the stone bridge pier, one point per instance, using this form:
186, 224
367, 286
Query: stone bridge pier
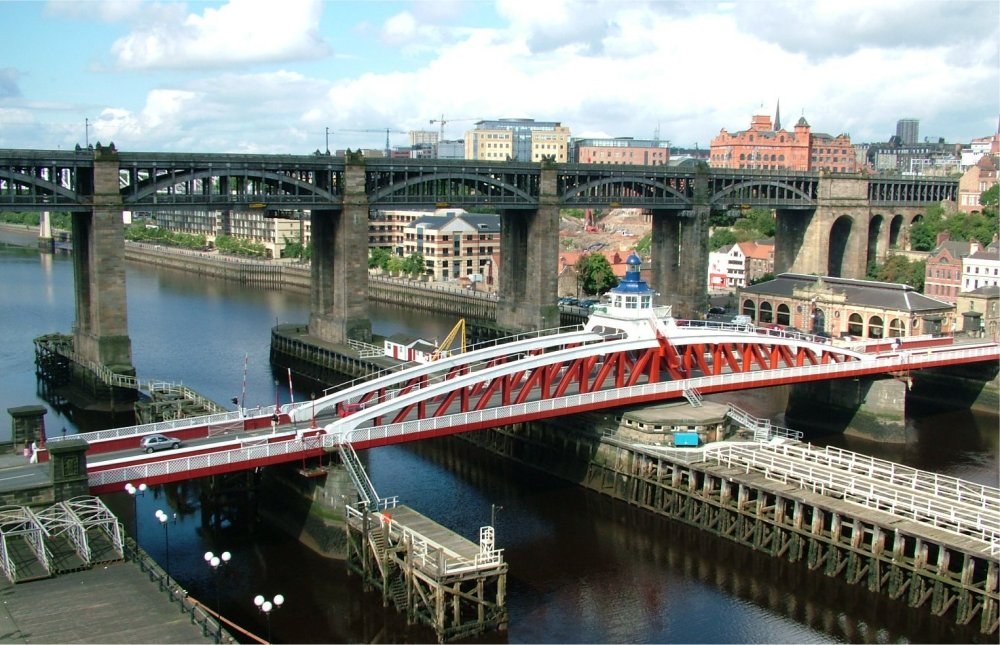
680, 260
529, 246
338, 292
100, 333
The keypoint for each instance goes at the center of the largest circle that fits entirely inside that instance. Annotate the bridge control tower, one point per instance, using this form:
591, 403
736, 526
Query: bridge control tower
630, 309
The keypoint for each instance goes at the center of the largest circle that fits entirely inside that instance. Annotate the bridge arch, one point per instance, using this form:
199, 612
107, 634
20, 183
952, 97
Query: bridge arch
455, 186
145, 189
625, 192
839, 246
757, 192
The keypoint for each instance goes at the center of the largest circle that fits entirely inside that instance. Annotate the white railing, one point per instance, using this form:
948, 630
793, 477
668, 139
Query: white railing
617, 396
429, 556
763, 429
801, 466
121, 470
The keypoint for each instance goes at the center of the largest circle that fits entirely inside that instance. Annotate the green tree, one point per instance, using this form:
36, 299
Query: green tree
378, 258
989, 199
900, 269
595, 274
413, 265
760, 220
722, 238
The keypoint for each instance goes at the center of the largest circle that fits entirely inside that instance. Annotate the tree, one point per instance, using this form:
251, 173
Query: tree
413, 264
900, 270
595, 274
722, 238
378, 258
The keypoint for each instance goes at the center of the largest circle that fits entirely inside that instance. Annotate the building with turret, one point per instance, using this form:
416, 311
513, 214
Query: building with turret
765, 145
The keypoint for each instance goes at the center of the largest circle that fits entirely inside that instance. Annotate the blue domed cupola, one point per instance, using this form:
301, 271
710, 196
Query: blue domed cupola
632, 294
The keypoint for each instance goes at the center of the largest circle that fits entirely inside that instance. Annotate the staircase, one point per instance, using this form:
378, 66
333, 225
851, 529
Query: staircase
693, 397
763, 429
358, 475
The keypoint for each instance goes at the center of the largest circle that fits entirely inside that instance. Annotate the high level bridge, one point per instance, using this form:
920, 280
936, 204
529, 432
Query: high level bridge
827, 224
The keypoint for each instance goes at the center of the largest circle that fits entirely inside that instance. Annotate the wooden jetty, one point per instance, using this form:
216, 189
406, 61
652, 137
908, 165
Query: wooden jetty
927, 540
430, 573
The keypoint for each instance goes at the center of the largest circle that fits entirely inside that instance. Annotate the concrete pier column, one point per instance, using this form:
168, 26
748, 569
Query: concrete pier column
529, 246
871, 408
101, 330
46, 243
339, 287
679, 250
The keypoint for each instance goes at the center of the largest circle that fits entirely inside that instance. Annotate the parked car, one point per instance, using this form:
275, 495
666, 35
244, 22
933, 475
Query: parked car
716, 311
154, 442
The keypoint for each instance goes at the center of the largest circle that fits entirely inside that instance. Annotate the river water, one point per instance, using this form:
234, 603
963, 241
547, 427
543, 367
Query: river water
582, 569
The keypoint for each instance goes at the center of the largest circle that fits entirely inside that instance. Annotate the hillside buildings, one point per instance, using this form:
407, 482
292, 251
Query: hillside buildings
956, 266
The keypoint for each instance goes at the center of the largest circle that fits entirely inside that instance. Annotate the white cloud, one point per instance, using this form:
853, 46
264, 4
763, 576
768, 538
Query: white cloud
241, 31
602, 67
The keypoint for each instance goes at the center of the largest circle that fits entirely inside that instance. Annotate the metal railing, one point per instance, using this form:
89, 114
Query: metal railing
937, 502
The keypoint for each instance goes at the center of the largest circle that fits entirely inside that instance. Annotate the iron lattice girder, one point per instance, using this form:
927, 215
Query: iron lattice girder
608, 365
40, 180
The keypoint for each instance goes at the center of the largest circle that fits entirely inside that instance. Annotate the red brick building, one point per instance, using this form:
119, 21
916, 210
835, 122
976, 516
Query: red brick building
768, 146
943, 269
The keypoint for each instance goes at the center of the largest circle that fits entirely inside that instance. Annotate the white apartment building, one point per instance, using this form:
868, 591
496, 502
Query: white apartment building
981, 268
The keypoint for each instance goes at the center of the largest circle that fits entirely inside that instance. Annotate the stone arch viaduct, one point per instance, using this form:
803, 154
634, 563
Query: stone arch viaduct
827, 224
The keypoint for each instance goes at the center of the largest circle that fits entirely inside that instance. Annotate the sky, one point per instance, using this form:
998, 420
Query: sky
296, 76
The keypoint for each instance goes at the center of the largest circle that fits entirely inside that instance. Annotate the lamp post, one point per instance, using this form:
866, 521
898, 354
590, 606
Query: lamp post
493, 514
216, 561
134, 492
160, 515
312, 424
267, 606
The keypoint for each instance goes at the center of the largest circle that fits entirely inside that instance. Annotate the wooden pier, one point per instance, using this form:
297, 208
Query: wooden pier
433, 575
924, 539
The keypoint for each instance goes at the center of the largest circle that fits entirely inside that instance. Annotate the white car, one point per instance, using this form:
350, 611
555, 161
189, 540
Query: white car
154, 442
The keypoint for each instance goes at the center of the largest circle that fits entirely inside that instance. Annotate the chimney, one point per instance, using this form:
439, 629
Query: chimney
943, 237
974, 246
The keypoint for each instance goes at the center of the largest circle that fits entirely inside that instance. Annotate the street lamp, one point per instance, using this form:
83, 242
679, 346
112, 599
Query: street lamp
216, 561
160, 515
493, 514
134, 492
266, 606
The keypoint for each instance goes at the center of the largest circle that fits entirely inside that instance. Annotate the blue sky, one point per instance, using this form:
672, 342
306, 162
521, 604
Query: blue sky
272, 76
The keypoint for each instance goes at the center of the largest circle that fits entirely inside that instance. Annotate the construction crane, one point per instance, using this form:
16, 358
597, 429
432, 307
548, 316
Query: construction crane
442, 121
444, 349
387, 131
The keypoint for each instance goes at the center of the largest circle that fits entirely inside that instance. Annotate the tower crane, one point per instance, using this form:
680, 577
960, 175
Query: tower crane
387, 132
442, 121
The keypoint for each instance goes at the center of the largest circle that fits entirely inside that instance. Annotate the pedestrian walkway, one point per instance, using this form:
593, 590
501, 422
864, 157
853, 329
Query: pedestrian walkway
117, 602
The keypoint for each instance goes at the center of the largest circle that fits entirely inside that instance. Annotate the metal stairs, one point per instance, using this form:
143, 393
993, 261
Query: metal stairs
358, 475
693, 397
